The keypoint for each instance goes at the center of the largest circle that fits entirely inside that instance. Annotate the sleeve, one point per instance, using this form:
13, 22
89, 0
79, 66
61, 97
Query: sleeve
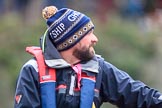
118, 88
27, 88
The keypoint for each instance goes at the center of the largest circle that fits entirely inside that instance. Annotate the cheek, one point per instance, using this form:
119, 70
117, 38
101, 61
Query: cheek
86, 40
84, 44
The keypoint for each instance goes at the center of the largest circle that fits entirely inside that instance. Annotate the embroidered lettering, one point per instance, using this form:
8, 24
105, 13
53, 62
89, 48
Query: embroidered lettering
57, 31
73, 16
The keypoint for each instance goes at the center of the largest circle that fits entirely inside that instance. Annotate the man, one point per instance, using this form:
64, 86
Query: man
66, 72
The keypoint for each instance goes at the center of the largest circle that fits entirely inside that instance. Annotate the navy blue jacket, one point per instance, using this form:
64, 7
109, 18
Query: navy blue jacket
115, 86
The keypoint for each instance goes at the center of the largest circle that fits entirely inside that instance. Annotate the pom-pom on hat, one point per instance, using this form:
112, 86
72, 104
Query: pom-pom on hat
66, 27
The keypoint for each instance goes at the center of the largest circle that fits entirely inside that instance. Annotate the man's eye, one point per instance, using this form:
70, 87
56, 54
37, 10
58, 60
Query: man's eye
91, 31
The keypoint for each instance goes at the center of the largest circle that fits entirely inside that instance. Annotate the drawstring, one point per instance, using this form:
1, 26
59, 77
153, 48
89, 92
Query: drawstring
93, 105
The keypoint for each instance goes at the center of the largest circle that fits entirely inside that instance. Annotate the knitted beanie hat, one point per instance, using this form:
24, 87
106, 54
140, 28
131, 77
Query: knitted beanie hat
66, 27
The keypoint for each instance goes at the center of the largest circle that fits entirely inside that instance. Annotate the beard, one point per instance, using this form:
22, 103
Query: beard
84, 53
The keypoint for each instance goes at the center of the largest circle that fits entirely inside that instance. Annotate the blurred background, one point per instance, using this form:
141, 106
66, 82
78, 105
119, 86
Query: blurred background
129, 33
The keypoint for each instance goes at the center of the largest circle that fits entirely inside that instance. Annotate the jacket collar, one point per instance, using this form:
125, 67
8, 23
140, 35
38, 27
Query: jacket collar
51, 55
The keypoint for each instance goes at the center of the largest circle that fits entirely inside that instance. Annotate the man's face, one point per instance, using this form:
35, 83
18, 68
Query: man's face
84, 50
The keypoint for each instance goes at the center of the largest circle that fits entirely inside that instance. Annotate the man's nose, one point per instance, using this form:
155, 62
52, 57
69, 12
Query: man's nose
94, 38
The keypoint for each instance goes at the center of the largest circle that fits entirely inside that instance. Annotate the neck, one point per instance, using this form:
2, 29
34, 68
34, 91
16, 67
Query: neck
69, 57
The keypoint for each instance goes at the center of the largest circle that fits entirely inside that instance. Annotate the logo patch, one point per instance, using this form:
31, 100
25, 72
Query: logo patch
18, 98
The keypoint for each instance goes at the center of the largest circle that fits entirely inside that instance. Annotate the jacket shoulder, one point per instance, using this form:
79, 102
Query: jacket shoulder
31, 63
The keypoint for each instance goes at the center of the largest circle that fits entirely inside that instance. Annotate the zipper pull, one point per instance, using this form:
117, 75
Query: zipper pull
72, 84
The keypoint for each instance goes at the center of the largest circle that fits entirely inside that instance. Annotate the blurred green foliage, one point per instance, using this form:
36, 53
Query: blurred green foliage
123, 44
15, 35
120, 42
